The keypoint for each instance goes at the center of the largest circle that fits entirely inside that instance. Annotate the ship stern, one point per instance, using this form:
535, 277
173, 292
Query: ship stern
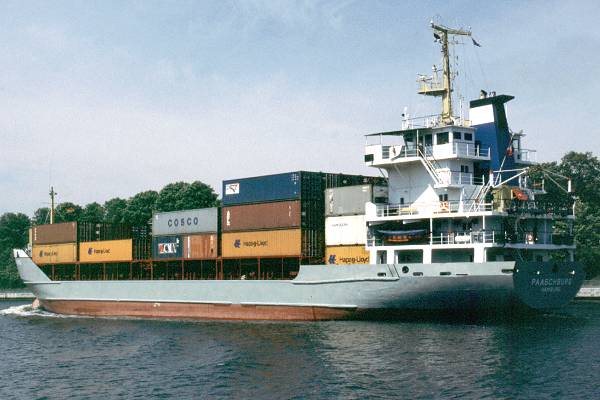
547, 285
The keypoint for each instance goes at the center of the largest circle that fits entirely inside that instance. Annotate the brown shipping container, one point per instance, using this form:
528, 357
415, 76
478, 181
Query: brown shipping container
200, 247
281, 214
54, 253
277, 243
65, 232
106, 251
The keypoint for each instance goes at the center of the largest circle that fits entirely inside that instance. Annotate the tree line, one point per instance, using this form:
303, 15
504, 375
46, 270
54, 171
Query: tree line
135, 211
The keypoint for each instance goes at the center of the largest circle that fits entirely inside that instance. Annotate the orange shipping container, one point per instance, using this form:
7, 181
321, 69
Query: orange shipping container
56, 233
262, 243
200, 247
106, 251
341, 255
54, 253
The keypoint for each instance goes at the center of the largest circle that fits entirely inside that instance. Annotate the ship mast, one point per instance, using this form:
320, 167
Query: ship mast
52, 194
431, 86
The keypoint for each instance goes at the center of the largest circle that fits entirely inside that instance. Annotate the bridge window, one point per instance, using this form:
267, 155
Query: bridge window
428, 140
442, 138
456, 135
468, 136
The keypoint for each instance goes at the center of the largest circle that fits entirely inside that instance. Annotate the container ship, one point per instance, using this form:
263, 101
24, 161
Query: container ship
455, 225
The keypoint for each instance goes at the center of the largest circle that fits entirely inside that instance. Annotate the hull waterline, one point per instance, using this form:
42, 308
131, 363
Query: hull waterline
320, 292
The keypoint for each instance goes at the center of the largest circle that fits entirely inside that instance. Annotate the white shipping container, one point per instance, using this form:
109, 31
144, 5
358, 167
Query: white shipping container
346, 230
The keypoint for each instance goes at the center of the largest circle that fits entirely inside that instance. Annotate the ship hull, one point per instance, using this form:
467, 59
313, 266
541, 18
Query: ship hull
320, 292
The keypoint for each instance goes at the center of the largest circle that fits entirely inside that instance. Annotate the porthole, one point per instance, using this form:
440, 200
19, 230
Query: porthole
405, 270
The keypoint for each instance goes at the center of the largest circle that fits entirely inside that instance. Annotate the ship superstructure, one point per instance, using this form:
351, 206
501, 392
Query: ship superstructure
459, 189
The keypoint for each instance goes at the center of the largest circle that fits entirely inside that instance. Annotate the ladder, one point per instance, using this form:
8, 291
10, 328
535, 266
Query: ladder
430, 164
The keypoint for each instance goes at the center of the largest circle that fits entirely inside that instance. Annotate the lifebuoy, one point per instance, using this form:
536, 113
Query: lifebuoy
529, 238
444, 206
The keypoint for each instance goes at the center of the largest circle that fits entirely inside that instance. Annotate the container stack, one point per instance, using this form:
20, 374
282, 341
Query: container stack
187, 234
54, 244
345, 224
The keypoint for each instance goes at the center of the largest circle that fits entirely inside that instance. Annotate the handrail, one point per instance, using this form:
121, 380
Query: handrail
394, 210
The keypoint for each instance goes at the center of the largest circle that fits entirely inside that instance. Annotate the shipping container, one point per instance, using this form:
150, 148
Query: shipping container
54, 253
106, 251
202, 220
250, 217
277, 243
350, 200
55, 233
92, 231
288, 186
167, 247
342, 255
200, 247
346, 230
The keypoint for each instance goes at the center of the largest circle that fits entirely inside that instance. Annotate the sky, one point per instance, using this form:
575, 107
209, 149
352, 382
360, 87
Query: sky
105, 99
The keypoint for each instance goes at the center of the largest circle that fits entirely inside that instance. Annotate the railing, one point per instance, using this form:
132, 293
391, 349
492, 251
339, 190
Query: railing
457, 149
459, 178
484, 237
395, 210
460, 149
458, 238
470, 150
526, 155
559, 209
559, 239
463, 237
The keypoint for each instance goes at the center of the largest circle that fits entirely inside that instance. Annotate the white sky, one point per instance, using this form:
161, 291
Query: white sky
104, 99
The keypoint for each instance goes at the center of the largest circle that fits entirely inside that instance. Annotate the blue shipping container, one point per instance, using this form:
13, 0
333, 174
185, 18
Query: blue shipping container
261, 189
167, 247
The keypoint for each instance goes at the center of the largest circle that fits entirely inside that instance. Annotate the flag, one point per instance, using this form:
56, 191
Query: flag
475, 43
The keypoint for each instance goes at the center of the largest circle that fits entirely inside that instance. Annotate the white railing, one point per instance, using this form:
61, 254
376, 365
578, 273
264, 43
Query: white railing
526, 155
460, 149
463, 237
457, 238
457, 149
448, 177
396, 210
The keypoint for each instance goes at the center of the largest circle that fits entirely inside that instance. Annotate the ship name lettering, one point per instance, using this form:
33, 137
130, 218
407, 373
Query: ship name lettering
551, 282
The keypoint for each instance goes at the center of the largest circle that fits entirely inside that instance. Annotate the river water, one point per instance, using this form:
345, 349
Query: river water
555, 355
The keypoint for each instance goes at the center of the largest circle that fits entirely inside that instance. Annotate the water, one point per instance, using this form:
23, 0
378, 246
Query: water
549, 356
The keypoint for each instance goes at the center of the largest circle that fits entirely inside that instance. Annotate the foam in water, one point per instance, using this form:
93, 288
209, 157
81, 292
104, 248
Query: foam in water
28, 310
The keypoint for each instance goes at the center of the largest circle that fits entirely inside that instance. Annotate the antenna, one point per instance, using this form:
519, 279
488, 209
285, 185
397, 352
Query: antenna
52, 194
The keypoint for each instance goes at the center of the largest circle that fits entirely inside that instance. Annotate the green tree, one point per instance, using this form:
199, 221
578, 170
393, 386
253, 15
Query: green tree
92, 212
199, 195
184, 196
139, 208
41, 216
584, 170
171, 197
115, 210
13, 235
67, 212
587, 237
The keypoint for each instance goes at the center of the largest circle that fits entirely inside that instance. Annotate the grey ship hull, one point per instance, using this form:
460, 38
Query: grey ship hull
318, 292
